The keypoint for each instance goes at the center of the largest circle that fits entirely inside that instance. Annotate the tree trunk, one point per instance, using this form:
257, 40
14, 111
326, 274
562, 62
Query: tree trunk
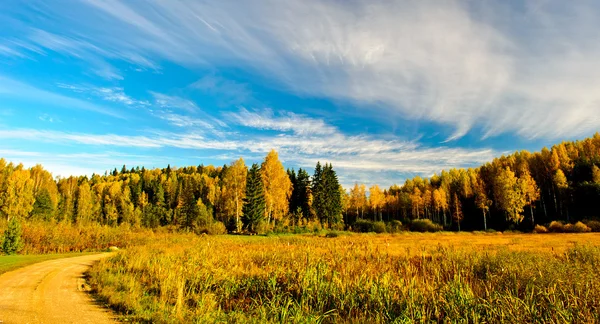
484, 221
237, 213
544, 206
532, 219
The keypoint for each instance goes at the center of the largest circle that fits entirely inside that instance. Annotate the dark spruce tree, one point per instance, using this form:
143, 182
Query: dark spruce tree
254, 203
327, 202
189, 206
318, 192
300, 200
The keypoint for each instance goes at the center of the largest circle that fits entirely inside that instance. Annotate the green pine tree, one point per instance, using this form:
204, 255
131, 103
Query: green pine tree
12, 242
332, 200
189, 207
254, 203
301, 193
318, 192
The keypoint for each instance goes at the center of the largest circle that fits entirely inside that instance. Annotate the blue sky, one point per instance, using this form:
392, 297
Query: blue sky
384, 90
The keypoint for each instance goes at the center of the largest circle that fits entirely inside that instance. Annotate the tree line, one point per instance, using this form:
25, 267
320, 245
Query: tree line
514, 191
192, 197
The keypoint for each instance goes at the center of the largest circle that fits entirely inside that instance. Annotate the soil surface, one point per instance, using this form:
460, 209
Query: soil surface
51, 292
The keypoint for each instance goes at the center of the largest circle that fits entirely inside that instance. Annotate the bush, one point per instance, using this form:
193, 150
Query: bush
12, 241
379, 227
578, 227
216, 228
364, 226
394, 226
593, 225
425, 225
540, 229
556, 227
332, 234
559, 227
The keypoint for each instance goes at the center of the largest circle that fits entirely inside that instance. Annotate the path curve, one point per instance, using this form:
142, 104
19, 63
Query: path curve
51, 292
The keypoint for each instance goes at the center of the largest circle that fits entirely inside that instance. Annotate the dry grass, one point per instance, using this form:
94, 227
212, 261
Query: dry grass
46, 238
357, 278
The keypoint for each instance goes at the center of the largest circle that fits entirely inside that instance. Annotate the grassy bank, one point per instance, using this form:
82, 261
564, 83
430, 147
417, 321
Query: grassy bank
12, 262
357, 278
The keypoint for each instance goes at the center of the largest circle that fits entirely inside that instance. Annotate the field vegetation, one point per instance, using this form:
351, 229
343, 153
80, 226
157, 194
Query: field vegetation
345, 277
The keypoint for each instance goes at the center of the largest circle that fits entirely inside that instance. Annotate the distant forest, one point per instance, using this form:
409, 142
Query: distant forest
511, 192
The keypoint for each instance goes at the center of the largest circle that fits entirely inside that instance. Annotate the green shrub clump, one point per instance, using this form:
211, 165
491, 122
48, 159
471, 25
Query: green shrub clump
394, 226
425, 225
539, 229
12, 241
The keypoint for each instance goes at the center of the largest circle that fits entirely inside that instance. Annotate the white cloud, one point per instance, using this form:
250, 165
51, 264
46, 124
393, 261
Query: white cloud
112, 94
532, 70
65, 165
166, 101
11, 52
16, 89
297, 146
283, 121
185, 121
49, 119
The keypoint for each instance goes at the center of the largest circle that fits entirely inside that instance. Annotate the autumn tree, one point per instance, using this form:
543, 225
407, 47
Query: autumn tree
235, 182
358, 199
16, 196
84, 203
530, 191
595, 174
457, 212
509, 195
376, 199
561, 184
277, 187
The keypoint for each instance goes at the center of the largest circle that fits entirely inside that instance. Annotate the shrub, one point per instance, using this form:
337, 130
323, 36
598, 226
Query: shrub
379, 227
12, 241
364, 226
394, 226
556, 227
216, 228
425, 225
559, 227
540, 229
593, 225
332, 234
578, 227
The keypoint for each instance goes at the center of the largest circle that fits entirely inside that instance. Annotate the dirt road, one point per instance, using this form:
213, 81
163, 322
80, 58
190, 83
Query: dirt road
51, 292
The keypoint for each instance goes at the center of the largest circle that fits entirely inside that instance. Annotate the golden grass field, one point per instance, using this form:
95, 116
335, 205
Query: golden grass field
407, 277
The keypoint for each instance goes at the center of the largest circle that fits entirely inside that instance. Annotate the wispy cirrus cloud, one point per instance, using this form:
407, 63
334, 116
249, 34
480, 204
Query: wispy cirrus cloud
11, 88
529, 70
166, 101
266, 119
297, 145
111, 94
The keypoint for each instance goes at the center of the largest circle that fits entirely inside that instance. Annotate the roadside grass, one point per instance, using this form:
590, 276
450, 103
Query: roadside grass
13, 262
428, 277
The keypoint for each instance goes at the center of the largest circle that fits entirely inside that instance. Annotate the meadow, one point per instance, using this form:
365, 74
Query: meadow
355, 278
